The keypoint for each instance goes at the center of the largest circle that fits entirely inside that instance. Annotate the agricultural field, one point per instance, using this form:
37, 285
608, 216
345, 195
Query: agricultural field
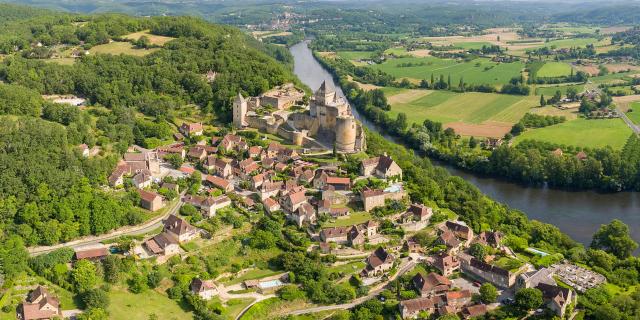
153, 39
583, 133
355, 55
613, 77
470, 114
116, 48
549, 91
478, 71
554, 69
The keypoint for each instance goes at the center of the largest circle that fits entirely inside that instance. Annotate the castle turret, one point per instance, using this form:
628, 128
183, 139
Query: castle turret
346, 133
325, 94
239, 111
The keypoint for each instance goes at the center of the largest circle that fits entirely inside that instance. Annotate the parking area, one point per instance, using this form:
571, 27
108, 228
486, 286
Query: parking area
465, 284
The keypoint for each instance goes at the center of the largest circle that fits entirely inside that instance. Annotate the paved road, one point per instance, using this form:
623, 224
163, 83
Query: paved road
630, 123
372, 294
124, 231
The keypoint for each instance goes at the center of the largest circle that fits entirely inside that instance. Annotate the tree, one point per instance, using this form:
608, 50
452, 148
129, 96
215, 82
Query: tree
615, 239
138, 283
174, 159
478, 251
83, 276
13, 257
488, 293
93, 314
95, 298
528, 298
542, 101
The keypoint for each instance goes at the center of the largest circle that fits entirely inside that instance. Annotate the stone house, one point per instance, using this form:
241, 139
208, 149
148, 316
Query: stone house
150, 200
191, 129
143, 179
557, 298
271, 205
481, 270
208, 205
40, 304
163, 245
431, 285
338, 235
446, 263
410, 309
179, 229
293, 201
458, 299
382, 167
205, 289
376, 198
379, 262
220, 183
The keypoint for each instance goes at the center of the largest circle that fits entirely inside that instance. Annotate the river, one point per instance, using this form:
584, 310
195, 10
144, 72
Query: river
579, 214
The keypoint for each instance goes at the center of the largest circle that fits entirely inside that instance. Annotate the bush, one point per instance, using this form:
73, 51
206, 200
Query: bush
95, 298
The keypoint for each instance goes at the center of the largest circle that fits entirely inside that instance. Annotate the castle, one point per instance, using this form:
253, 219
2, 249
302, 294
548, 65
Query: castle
325, 123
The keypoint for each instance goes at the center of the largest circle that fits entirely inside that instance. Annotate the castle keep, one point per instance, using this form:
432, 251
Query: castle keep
325, 122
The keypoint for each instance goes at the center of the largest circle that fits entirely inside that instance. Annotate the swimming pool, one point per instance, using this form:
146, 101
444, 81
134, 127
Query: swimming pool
270, 284
536, 251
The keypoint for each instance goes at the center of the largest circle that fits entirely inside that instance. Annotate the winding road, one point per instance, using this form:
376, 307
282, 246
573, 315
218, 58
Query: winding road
372, 294
124, 231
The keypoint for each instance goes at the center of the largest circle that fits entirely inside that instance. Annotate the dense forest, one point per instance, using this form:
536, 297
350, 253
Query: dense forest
49, 192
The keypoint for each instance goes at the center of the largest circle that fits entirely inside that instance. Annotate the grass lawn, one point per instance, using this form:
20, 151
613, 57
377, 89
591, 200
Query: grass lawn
252, 274
478, 71
470, 107
354, 218
269, 308
573, 42
583, 133
120, 48
126, 305
348, 268
635, 114
554, 69
153, 39
508, 263
471, 45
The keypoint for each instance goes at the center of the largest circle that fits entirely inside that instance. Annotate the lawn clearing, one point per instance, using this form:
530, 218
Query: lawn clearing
126, 305
581, 132
478, 71
554, 69
153, 39
353, 218
116, 48
252, 274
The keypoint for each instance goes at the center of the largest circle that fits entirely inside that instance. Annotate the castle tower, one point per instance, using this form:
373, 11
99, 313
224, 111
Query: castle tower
346, 132
239, 111
325, 94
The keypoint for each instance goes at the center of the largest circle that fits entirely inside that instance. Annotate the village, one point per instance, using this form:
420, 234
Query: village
347, 213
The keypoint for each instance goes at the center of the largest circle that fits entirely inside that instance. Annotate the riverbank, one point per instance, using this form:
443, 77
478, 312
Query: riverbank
578, 214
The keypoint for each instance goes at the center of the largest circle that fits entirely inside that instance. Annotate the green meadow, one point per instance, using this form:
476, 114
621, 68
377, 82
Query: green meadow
635, 114
581, 132
478, 71
554, 69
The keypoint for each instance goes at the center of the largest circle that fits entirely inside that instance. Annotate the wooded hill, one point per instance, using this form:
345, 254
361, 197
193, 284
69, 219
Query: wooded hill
48, 192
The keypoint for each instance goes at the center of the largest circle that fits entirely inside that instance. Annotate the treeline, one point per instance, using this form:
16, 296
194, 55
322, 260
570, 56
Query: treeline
532, 120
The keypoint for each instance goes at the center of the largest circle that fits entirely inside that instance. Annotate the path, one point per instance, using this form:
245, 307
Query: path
124, 231
622, 103
372, 293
